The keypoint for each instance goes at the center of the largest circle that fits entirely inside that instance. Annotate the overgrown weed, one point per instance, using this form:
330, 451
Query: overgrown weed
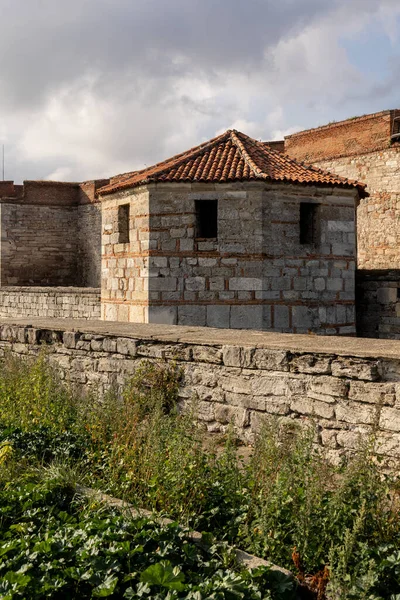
287, 503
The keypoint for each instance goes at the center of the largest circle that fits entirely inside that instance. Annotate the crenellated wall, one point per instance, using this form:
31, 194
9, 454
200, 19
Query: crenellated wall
348, 389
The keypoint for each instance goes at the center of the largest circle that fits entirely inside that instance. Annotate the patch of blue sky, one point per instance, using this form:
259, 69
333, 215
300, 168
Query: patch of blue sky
371, 50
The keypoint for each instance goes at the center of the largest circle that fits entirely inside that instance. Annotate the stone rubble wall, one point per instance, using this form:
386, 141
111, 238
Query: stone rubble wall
346, 389
79, 303
255, 275
378, 304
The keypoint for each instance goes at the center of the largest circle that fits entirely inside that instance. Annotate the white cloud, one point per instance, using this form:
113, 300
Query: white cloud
105, 87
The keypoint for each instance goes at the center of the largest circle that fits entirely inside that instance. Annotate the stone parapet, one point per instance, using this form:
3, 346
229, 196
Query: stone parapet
347, 388
58, 302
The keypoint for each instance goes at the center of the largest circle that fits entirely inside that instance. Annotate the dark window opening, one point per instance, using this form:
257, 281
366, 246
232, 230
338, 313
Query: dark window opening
123, 224
308, 223
206, 218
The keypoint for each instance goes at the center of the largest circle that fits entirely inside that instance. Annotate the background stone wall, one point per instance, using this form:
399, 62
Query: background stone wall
78, 303
50, 233
378, 304
347, 389
38, 244
361, 149
256, 274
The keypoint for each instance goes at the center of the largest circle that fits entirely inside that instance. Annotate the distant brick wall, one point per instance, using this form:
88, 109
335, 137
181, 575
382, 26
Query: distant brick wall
346, 138
67, 303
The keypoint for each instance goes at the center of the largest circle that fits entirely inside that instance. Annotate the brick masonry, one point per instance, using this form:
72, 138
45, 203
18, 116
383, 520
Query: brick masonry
347, 389
255, 275
59, 302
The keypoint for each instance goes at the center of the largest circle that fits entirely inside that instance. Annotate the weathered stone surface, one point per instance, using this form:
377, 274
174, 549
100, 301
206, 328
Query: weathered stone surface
390, 419
310, 363
126, 346
355, 369
327, 389
373, 393
207, 354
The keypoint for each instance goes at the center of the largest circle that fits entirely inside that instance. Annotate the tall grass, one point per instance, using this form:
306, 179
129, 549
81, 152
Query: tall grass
286, 503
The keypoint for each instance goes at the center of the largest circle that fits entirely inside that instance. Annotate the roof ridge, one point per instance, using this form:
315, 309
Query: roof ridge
246, 157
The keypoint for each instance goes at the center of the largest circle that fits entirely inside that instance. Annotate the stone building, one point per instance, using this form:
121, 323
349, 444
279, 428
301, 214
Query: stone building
232, 234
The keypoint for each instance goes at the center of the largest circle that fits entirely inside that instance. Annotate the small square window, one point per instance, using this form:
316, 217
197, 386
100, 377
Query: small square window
123, 224
308, 223
206, 218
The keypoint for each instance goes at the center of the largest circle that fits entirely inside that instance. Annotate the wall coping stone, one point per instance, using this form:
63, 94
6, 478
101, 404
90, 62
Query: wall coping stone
35, 289
207, 336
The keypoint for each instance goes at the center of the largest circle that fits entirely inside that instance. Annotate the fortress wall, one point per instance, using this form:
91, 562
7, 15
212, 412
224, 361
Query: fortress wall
346, 388
360, 149
38, 244
78, 303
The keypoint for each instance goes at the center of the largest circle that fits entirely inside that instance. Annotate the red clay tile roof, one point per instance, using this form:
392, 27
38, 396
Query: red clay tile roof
232, 156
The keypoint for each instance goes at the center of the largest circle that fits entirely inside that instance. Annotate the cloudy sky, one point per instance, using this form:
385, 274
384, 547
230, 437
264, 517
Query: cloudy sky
91, 88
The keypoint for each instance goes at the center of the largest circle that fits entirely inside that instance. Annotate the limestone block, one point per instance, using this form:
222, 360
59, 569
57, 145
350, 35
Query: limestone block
192, 315
355, 412
126, 346
373, 393
218, 316
269, 386
109, 345
328, 438
390, 419
245, 283
249, 317
281, 317
355, 368
165, 315
311, 363
237, 356
195, 284
388, 444
207, 354
270, 360
350, 439
327, 389
308, 406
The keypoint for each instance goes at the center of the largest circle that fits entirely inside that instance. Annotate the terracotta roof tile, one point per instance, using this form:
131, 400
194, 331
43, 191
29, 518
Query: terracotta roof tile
232, 156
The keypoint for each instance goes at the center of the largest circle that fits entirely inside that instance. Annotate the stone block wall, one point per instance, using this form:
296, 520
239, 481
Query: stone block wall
346, 389
50, 233
378, 304
38, 244
77, 303
254, 275
361, 149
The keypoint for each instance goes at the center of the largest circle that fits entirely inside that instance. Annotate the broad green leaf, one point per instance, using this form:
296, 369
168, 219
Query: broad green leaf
106, 588
164, 575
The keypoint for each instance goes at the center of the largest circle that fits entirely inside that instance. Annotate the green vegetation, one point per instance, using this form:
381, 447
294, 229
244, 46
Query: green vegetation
334, 527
